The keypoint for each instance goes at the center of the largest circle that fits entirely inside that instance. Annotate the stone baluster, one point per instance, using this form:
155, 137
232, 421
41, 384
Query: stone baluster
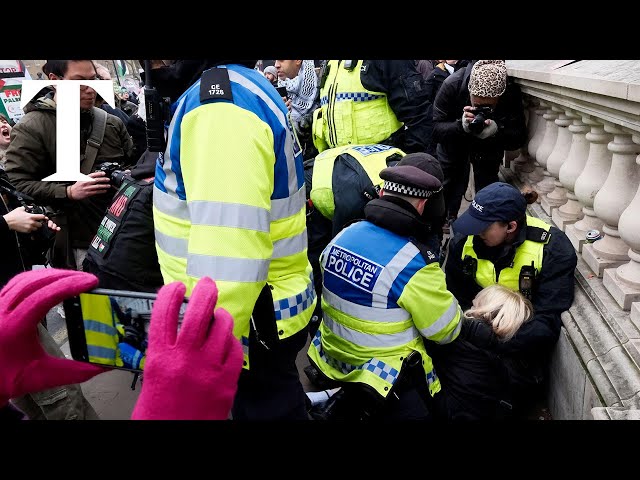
560, 153
571, 211
623, 283
536, 140
546, 147
615, 195
590, 182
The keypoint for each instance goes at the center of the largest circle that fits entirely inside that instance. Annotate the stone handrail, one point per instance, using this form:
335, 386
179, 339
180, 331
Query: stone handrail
583, 158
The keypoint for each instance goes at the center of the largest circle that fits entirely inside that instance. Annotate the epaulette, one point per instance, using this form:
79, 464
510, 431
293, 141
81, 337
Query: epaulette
215, 85
537, 234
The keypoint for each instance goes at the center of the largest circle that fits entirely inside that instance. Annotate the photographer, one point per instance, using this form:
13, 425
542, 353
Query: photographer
464, 139
16, 227
32, 157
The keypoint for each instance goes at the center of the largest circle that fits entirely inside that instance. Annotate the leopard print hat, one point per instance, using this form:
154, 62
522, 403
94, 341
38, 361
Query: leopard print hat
488, 78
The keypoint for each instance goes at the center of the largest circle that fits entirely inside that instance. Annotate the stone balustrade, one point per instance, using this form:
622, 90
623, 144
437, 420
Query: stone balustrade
583, 157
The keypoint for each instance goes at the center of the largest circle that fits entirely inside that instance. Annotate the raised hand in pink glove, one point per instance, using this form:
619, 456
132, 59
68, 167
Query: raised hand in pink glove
192, 374
24, 365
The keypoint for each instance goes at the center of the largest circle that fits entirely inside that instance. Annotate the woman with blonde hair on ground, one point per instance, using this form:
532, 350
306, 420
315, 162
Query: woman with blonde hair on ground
477, 382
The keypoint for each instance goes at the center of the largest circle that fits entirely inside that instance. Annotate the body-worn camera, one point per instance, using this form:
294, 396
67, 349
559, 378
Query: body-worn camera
481, 114
114, 171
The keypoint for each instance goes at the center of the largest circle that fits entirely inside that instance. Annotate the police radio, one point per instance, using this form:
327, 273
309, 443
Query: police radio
157, 113
525, 282
350, 64
469, 266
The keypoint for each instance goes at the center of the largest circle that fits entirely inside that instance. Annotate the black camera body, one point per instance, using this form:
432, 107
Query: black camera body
114, 171
481, 114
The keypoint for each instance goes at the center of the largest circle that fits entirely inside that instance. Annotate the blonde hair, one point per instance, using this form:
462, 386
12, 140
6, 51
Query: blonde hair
504, 309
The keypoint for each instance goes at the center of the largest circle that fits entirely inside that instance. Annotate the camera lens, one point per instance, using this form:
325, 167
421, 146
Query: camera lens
117, 177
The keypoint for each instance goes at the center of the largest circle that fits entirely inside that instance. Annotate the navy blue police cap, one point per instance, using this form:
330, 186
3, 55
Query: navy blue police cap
416, 175
498, 202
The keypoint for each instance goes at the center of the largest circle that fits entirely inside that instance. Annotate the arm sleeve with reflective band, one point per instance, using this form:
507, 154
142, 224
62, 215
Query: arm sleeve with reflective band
434, 309
224, 168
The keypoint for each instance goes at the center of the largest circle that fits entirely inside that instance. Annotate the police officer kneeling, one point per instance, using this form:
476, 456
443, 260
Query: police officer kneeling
495, 241
383, 294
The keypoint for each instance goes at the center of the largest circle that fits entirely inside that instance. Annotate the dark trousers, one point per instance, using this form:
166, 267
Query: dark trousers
456, 178
357, 405
271, 389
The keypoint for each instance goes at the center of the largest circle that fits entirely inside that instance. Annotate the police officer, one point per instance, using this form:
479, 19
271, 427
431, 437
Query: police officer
229, 203
496, 241
384, 292
372, 101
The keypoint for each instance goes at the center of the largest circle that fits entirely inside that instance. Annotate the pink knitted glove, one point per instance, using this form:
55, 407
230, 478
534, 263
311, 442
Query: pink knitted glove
193, 374
24, 366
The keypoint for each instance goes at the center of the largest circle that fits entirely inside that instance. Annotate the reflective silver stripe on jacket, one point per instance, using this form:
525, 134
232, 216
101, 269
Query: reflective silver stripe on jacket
101, 352
290, 246
442, 322
390, 273
248, 216
99, 327
363, 312
176, 247
286, 207
369, 339
228, 269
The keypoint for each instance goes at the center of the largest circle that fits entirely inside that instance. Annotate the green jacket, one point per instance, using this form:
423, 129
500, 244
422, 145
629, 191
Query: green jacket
31, 156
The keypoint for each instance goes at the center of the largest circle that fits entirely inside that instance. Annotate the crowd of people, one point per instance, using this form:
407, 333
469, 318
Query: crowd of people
316, 203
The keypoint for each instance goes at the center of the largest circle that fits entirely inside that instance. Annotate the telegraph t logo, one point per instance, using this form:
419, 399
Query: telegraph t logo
67, 122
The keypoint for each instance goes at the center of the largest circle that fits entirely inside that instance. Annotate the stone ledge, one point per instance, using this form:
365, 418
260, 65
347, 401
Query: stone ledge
614, 413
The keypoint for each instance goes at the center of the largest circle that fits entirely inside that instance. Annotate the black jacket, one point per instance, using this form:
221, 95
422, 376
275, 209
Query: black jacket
475, 379
407, 96
434, 81
553, 290
18, 249
128, 260
454, 144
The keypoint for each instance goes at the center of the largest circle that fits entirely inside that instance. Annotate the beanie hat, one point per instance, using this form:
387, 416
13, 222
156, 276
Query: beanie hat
488, 78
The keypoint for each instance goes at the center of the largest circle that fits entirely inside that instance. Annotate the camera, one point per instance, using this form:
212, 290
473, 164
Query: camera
481, 114
114, 171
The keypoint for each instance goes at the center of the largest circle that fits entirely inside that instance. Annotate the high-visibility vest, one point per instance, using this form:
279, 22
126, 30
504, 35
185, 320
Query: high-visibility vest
380, 298
229, 199
349, 113
530, 251
372, 158
100, 329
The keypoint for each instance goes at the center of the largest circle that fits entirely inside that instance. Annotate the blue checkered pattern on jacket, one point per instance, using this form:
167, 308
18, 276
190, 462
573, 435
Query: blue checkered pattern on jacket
376, 366
245, 345
355, 96
288, 307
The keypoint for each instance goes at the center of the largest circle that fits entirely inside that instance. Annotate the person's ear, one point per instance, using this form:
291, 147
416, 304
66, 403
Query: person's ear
421, 204
512, 226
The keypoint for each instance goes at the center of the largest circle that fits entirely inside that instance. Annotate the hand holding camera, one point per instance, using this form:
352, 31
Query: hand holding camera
82, 190
24, 221
478, 121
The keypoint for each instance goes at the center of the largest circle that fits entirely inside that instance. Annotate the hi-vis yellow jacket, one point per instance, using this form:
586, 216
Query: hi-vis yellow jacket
229, 199
100, 330
530, 252
349, 113
372, 158
381, 298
